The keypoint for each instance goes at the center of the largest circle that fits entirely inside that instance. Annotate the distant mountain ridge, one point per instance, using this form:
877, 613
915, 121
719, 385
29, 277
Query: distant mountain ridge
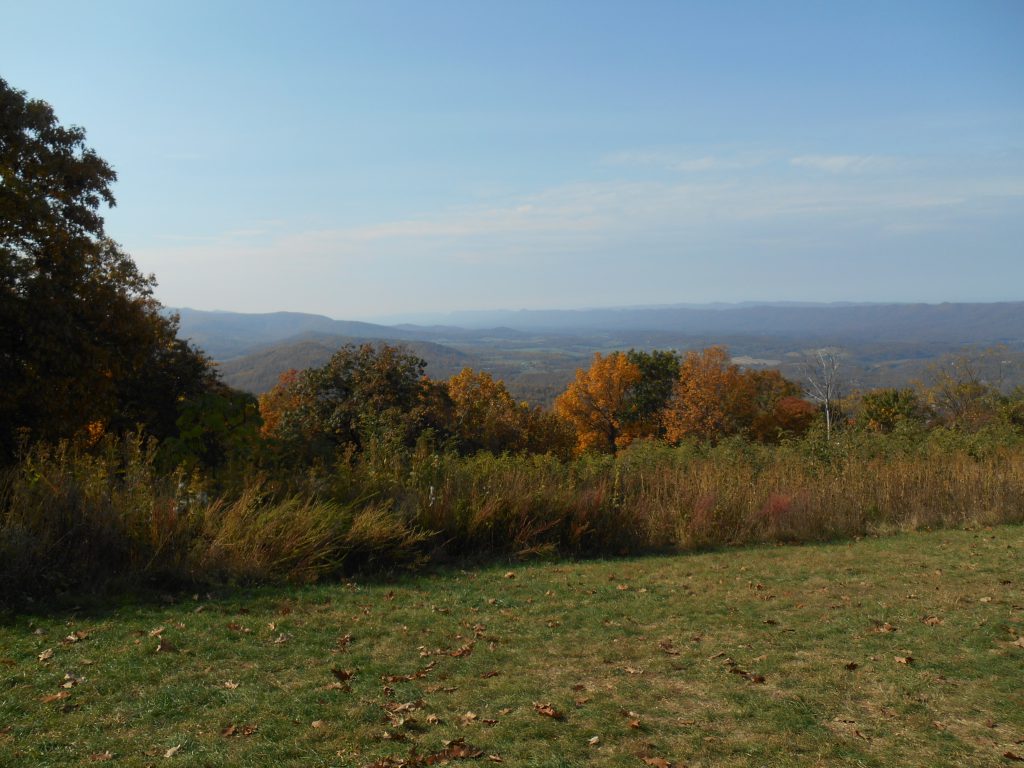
537, 351
227, 334
953, 323
224, 335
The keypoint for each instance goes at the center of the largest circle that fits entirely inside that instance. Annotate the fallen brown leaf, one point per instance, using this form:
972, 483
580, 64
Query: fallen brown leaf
100, 757
49, 699
458, 748
666, 646
658, 762
317, 724
547, 710
1013, 756
908, 660
172, 751
46, 655
465, 650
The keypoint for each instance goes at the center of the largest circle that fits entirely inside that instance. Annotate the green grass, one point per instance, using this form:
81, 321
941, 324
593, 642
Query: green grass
732, 658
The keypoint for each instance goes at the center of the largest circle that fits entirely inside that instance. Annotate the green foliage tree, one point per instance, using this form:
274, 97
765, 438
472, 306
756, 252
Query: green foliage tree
882, 409
215, 429
83, 341
363, 393
648, 397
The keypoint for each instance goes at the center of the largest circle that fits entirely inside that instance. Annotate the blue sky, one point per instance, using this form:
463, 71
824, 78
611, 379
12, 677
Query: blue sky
364, 159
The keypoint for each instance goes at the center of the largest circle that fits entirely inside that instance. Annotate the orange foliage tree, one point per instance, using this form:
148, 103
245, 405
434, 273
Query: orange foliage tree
484, 413
486, 417
284, 397
711, 398
714, 398
594, 404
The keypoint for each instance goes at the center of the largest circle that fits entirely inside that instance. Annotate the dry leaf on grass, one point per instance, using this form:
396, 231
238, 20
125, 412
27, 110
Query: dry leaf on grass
70, 681
666, 646
49, 699
658, 762
230, 684
547, 710
908, 660
46, 655
100, 757
172, 751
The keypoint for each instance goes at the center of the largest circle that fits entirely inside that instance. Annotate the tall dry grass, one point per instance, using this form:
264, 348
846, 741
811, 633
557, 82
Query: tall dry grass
72, 517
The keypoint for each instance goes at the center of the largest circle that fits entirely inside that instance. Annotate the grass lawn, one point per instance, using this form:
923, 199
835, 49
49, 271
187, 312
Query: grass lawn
895, 651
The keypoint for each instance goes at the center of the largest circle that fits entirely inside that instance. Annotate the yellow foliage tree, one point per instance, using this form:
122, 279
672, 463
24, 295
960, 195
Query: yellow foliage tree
594, 403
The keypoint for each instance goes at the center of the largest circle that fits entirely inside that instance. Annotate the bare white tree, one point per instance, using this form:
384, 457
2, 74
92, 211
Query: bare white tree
821, 370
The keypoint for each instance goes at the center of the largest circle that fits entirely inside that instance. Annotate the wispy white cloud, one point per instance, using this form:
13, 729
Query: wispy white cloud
578, 226
684, 162
844, 163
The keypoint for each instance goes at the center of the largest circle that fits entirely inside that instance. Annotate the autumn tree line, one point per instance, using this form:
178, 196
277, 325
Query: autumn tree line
380, 395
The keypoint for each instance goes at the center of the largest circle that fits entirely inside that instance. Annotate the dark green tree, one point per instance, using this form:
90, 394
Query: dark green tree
648, 397
363, 393
82, 340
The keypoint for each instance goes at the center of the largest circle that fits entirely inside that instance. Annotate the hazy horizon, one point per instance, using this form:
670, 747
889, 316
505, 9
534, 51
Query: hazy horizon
372, 160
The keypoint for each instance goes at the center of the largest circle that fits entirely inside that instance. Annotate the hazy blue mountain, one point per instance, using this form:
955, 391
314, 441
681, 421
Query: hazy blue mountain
950, 323
224, 335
